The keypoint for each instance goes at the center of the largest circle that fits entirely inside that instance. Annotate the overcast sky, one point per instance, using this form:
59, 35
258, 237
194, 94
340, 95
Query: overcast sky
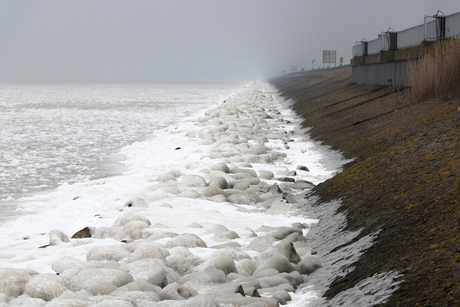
190, 39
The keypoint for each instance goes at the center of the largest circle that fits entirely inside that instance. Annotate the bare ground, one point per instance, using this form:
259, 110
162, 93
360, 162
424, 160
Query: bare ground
404, 181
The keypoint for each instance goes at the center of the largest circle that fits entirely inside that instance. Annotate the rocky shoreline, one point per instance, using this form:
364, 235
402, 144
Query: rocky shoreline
403, 186
214, 223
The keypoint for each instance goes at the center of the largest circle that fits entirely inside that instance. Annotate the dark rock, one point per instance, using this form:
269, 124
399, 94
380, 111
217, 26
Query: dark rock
302, 168
84, 233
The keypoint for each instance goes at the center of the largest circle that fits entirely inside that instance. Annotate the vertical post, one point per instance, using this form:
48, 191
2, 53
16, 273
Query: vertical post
393, 44
426, 27
441, 27
365, 49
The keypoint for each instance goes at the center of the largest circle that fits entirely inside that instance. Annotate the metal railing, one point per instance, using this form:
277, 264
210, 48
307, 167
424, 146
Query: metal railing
432, 29
414, 36
381, 43
453, 26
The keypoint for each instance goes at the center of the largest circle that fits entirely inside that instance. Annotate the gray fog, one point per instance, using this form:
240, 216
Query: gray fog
76, 40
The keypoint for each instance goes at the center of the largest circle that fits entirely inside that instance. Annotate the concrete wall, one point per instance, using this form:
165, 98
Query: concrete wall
394, 65
386, 73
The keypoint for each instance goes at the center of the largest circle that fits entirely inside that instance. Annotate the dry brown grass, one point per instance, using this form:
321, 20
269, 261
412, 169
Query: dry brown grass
437, 74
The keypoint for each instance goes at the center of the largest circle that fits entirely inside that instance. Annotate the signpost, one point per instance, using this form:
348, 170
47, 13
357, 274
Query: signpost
329, 57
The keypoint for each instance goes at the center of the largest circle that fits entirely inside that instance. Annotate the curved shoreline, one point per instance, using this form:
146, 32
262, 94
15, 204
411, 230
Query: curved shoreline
404, 182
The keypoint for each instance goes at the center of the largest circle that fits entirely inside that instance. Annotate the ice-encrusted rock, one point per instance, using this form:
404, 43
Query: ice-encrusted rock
111, 302
278, 262
232, 252
280, 295
250, 172
263, 174
100, 280
302, 185
217, 229
177, 291
186, 240
273, 281
64, 264
170, 175
221, 262
25, 300
139, 285
266, 273
144, 249
242, 185
303, 248
152, 234
190, 193
136, 296
77, 295
58, 237
45, 286
166, 187
63, 302
13, 281
220, 166
245, 198
308, 265
231, 235
212, 190
219, 182
203, 300
294, 277
129, 217
282, 232
285, 248
69, 273
249, 281
180, 264
260, 244
259, 149
108, 252
134, 230
228, 177
246, 267
150, 270
193, 181
210, 275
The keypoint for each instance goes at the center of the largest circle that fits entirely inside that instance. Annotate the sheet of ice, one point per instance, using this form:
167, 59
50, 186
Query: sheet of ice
177, 182
56, 133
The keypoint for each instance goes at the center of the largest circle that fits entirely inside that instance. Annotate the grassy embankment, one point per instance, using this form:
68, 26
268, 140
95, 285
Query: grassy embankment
405, 179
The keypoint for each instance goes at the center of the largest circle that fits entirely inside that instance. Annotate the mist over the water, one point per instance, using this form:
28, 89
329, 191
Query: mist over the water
138, 40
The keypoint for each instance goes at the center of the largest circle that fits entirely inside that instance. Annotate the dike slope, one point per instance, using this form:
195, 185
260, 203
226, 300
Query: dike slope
404, 181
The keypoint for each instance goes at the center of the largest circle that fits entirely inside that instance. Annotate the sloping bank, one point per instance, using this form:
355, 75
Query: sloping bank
403, 184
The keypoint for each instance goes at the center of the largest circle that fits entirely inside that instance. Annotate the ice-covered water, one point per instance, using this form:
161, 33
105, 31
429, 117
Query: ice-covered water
56, 133
202, 207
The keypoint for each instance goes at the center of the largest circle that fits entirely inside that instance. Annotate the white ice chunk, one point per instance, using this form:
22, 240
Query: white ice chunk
58, 237
45, 286
13, 281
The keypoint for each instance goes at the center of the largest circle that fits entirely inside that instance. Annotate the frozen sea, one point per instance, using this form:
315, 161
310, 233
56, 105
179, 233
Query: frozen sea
177, 184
